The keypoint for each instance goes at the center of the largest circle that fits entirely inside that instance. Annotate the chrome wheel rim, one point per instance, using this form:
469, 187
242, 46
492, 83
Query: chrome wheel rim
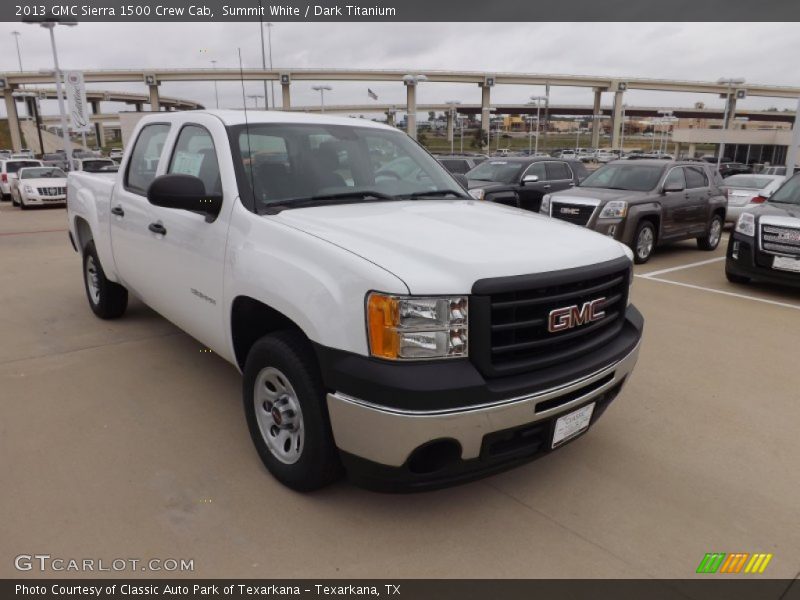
715, 232
644, 245
92, 280
279, 416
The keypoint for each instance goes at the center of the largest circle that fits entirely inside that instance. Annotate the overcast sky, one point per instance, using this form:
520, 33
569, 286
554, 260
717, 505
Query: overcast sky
764, 53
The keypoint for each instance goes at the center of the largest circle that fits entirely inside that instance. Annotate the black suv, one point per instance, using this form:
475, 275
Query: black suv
523, 181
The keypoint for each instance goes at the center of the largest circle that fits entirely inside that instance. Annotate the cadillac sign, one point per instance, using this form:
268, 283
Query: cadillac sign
76, 101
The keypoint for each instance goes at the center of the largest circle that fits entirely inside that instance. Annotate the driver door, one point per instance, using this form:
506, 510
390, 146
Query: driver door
530, 193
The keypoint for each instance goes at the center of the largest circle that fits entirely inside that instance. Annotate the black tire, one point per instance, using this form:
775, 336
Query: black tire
290, 353
734, 278
14, 201
713, 235
639, 255
111, 299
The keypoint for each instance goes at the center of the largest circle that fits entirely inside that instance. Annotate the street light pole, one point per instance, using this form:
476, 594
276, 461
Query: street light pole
16, 35
622, 132
263, 49
321, 89
216, 95
271, 82
51, 25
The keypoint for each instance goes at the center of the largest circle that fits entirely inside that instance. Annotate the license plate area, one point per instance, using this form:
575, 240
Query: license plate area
571, 425
786, 263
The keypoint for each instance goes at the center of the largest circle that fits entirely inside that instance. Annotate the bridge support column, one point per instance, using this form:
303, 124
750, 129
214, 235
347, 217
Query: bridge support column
731, 110
486, 125
411, 109
138, 106
13, 119
155, 102
286, 98
596, 118
616, 123
390, 117
99, 129
692, 149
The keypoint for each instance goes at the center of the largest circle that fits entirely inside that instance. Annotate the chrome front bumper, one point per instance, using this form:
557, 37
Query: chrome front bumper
388, 436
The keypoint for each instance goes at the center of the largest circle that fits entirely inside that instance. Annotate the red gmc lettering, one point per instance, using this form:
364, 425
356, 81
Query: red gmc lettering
561, 319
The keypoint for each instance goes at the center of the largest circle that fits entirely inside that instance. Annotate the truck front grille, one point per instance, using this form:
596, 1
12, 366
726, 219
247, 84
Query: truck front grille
52, 191
579, 214
510, 327
780, 240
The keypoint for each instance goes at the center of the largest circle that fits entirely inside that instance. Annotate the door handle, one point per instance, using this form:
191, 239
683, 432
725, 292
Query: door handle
157, 228
117, 210
546, 186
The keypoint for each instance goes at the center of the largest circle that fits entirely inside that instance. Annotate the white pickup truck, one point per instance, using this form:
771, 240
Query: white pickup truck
386, 323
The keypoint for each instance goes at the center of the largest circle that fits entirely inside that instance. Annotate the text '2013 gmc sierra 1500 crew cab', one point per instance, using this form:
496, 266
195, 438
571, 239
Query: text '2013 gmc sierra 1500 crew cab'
387, 325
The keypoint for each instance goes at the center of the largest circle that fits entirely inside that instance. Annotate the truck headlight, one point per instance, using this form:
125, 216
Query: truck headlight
417, 327
746, 224
478, 194
545, 206
616, 209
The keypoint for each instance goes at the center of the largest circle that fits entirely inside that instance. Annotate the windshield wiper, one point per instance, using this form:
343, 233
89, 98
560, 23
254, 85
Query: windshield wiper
322, 199
436, 193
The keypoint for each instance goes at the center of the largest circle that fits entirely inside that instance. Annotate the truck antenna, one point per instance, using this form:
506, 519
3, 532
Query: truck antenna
247, 130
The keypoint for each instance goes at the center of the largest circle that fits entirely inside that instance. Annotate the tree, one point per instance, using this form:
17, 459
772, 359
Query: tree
431, 116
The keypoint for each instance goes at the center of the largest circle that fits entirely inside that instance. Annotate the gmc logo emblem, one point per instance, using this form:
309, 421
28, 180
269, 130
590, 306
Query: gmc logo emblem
567, 317
570, 211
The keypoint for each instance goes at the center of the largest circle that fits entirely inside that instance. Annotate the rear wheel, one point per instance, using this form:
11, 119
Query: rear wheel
644, 242
284, 404
711, 239
108, 300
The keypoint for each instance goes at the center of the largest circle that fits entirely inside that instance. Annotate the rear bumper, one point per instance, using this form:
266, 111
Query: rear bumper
744, 259
401, 449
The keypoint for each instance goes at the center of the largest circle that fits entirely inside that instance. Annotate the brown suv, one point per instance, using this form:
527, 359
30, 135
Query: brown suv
646, 203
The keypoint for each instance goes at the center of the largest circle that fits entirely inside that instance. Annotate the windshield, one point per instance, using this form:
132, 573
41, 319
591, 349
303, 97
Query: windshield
500, 171
789, 192
41, 173
15, 165
284, 163
748, 182
636, 178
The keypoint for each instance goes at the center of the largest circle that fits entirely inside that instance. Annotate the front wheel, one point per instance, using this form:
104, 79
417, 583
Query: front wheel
711, 239
644, 242
284, 404
108, 300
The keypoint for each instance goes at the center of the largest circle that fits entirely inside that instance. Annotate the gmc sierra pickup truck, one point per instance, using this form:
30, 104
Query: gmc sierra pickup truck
386, 325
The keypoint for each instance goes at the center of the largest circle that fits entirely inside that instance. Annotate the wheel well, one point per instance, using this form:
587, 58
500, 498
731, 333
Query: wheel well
84, 233
721, 212
252, 320
654, 219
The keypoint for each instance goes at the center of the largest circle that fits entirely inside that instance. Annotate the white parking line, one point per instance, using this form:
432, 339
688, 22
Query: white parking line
724, 293
688, 266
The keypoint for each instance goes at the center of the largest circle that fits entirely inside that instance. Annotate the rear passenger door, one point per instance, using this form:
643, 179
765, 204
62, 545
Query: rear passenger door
699, 189
674, 204
559, 175
131, 214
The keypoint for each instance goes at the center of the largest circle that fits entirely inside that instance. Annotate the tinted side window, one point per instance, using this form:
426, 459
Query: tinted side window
695, 178
194, 154
675, 180
557, 171
144, 158
456, 166
538, 169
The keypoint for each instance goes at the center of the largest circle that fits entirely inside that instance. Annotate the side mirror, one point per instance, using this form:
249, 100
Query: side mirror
462, 179
530, 179
184, 192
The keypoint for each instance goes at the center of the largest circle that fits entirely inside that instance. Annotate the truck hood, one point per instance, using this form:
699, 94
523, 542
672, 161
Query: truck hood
600, 194
444, 246
776, 209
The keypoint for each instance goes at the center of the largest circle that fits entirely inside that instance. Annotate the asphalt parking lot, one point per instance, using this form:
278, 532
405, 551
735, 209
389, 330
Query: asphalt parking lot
124, 439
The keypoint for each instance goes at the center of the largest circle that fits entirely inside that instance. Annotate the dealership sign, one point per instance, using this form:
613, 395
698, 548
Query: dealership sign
76, 101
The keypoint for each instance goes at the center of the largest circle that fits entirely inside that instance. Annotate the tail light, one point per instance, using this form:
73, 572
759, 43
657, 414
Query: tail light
758, 200
4, 177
